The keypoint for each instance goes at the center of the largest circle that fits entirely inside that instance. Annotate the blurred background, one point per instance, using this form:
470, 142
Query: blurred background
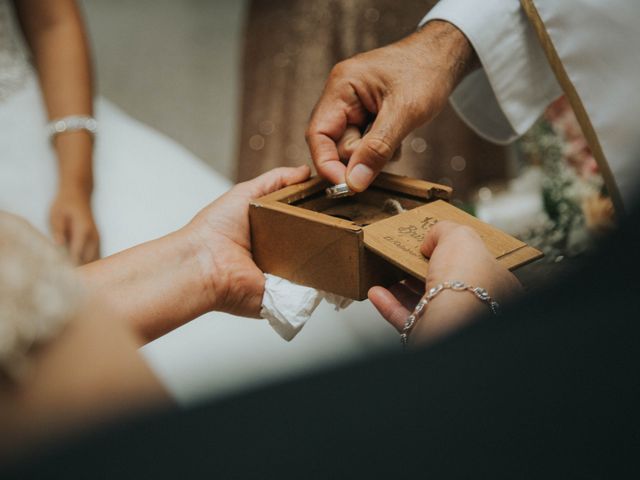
234, 81
174, 65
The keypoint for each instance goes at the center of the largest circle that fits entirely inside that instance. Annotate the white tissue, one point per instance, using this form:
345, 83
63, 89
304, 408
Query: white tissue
288, 306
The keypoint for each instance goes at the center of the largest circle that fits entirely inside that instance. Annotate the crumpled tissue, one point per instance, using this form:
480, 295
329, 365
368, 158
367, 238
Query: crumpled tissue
288, 306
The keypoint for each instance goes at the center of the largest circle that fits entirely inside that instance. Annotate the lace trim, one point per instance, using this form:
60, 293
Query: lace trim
14, 62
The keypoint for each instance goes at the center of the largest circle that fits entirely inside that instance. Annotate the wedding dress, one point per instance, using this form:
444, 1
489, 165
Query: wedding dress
147, 185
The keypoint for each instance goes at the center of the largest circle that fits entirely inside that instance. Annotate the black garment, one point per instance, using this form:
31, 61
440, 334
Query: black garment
550, 389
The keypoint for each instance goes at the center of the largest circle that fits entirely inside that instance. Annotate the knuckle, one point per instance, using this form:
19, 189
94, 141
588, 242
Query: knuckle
282, 173
87, 231
378, 150
345, 69
271, 181
308, 133
340, 70
414, 109
444, 228
465, 231
312, 133
446, 224
344, 150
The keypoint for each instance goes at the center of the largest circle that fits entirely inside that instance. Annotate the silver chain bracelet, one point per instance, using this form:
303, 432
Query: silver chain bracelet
72, 123
430, 294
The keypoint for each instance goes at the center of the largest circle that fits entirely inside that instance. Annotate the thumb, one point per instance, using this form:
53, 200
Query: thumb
377, 147
435, 235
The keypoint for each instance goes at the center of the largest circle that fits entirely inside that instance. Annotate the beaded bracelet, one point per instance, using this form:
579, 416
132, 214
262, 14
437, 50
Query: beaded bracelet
454, 285
72, 123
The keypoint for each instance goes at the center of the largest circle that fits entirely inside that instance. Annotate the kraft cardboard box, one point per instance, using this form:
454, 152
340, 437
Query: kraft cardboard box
345, 246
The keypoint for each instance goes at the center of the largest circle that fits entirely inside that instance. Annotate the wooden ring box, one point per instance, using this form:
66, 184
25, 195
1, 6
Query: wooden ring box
346, 246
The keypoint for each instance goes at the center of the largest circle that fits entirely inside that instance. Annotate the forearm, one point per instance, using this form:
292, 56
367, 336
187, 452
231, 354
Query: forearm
56, 36
156, 286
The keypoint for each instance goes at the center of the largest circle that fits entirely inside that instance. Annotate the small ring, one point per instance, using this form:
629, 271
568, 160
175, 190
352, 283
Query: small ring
339, 191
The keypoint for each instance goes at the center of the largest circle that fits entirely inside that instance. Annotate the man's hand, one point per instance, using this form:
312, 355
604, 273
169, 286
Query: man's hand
222, 229
390, 91
455, 252
73, 226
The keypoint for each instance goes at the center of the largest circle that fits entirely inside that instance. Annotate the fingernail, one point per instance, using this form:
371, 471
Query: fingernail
360, 177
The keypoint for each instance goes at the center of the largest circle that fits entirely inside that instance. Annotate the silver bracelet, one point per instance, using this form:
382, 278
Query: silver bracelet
454, 285
71, 123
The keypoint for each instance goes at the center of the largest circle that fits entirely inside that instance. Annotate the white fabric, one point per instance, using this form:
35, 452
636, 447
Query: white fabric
38, 293
598, 45
14, 64
288, 306
146, 186
517, 207
506, 96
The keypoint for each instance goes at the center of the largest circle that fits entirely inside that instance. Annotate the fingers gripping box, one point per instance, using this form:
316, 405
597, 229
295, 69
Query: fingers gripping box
346, 246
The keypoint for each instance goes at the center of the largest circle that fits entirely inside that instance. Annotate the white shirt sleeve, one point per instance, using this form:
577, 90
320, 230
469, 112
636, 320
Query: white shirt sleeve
505, 97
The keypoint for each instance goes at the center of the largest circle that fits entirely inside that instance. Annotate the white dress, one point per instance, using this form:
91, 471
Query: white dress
146, 185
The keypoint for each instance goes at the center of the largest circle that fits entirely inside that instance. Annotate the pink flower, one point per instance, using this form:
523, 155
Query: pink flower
576, 149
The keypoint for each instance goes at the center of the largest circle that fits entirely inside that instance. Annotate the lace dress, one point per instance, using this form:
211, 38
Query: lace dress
14, 66
146, 185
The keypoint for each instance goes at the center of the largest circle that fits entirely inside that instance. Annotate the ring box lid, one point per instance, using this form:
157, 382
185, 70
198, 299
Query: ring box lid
398, 239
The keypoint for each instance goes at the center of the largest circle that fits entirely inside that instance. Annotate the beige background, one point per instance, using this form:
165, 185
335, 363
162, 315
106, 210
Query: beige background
173, 64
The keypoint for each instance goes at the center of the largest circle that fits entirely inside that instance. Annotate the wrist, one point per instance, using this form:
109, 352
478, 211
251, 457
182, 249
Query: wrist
75, 162
446, 306
448, 311
211, 279
230, 280
156, 286
79, 188
455, 53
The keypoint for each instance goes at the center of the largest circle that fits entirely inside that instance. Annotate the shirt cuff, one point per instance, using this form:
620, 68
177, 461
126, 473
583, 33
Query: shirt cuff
506, 96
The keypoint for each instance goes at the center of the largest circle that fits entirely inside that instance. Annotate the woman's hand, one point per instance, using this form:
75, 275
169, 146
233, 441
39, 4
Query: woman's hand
73, 226
455, 252
206, 265
222, 229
